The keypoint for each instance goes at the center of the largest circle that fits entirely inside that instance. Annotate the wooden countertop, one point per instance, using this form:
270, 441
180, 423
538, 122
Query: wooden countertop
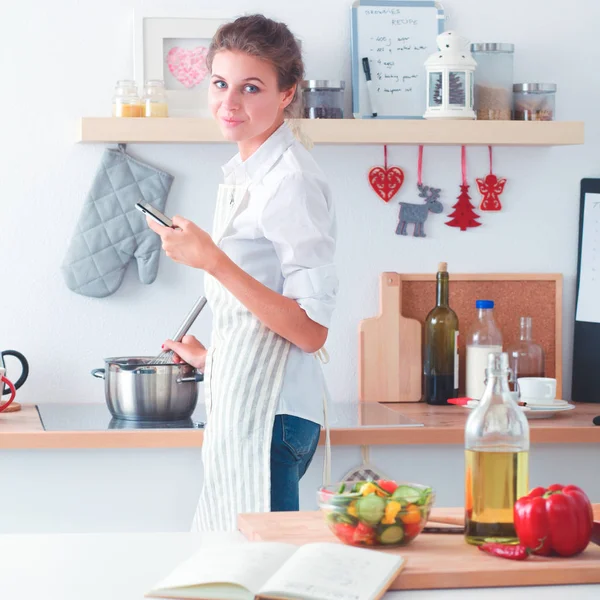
441, 425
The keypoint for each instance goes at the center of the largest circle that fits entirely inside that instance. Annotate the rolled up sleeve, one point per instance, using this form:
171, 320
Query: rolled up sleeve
300, 222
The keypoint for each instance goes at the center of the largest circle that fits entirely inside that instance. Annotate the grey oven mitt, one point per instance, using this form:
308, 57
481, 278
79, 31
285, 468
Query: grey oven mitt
111, 231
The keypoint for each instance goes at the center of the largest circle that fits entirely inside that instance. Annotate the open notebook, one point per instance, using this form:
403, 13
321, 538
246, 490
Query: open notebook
272, 570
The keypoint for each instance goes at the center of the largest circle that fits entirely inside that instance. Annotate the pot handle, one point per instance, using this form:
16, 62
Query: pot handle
98, 373
198, 377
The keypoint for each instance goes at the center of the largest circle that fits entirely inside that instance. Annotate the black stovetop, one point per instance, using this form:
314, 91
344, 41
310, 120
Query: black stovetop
96, 417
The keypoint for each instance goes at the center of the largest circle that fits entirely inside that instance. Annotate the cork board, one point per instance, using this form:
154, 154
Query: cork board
515, 295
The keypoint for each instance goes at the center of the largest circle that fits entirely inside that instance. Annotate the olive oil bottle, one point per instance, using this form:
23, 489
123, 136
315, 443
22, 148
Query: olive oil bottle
496, 458
440, 347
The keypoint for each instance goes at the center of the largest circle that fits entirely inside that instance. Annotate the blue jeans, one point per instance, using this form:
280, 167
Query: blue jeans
292, 448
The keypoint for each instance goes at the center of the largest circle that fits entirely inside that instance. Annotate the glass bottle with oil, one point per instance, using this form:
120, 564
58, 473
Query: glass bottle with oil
496, 458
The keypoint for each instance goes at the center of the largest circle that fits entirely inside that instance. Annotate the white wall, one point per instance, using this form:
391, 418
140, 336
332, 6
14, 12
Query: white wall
60, 61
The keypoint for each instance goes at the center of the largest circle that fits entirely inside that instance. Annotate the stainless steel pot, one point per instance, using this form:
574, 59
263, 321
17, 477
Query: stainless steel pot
137, 390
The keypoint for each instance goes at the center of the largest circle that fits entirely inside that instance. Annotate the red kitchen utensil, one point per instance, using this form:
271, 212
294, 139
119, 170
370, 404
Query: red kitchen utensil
4, 381
596, 533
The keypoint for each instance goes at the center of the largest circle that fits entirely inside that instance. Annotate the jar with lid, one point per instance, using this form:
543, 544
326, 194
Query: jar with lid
534, 101
126, 101
323, 99
496, 458
525, 357
493, 84
155, 99
484, 338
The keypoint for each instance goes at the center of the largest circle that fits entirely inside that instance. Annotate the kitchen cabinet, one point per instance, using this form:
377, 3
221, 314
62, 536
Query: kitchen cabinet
149, 480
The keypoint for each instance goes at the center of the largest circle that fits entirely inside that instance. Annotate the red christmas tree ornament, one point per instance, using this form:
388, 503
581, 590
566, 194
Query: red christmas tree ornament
464, 215
490, 187
386, 181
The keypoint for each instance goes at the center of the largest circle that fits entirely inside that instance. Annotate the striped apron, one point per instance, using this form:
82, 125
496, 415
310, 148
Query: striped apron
243, 378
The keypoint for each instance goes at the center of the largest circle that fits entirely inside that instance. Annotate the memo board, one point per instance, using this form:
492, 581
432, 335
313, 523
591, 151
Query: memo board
538, 295
397, 36
586, 336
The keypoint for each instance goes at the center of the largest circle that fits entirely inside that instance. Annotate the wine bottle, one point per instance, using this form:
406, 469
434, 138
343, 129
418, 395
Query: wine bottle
440, 350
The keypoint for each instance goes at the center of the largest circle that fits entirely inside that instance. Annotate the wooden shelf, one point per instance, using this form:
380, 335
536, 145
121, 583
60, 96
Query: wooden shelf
344, 131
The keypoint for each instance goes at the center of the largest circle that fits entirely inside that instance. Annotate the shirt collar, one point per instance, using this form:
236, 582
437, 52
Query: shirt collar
256, 166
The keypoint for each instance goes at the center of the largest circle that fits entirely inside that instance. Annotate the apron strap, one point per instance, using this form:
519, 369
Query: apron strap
323, 356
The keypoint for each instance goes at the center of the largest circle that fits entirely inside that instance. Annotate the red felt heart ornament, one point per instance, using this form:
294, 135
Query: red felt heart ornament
386, 181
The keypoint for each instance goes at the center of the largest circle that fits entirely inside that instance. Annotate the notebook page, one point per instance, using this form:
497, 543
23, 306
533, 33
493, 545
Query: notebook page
248, 565
333, 572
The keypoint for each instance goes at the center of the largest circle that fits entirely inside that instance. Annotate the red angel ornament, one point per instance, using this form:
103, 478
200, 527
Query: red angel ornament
490, 187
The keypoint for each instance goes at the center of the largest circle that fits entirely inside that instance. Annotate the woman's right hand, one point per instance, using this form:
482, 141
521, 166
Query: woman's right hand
189, 350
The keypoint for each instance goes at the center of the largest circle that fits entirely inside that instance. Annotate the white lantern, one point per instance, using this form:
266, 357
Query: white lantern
450, 79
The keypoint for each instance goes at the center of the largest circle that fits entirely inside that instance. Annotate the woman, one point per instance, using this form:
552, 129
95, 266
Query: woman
270, 281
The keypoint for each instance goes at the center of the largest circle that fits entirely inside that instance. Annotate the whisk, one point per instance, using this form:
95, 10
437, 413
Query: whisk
166, 357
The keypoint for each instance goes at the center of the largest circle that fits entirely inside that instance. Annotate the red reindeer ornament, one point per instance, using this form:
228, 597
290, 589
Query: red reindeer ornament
490, 187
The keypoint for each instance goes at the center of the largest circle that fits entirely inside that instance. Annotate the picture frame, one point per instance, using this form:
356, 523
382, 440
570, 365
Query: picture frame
171, 46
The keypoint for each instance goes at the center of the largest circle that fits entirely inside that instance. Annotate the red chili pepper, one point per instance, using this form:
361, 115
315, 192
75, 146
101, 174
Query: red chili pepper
513, 552
561, 515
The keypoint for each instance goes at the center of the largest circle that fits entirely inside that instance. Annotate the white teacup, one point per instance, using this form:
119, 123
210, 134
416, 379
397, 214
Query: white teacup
537, 390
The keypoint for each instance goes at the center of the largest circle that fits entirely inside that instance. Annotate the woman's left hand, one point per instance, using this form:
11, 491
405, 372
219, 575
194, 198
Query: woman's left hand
188, 244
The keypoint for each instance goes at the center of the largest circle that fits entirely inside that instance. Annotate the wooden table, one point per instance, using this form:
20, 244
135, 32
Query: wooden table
436, 561
123, 566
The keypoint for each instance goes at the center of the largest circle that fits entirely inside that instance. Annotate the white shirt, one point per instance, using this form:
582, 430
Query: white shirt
285, 238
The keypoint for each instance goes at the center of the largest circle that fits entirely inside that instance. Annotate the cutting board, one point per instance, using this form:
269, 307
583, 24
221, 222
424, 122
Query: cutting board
389, 353
436, 560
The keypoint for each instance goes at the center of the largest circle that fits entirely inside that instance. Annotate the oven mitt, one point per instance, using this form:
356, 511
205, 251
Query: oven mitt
111, 231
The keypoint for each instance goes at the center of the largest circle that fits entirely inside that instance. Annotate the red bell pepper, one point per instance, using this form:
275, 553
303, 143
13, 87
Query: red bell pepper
554, 520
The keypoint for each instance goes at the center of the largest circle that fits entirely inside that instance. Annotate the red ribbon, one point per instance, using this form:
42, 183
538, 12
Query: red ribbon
491, 170
385, 156
463, 164
420, 167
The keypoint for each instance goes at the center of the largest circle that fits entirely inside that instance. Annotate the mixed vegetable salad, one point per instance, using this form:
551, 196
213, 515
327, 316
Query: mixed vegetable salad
373, 513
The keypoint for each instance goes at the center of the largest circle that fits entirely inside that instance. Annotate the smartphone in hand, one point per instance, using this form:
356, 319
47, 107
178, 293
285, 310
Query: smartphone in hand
154, 213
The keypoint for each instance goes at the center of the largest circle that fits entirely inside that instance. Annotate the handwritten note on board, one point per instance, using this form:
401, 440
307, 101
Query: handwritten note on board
588, 298
397, 38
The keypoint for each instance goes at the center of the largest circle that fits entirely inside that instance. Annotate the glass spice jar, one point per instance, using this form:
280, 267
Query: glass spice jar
126, 101
323, 99
154, 101
534, 101
493, 84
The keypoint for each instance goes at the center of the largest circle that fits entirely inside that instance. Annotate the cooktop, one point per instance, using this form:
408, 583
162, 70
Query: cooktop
96, 417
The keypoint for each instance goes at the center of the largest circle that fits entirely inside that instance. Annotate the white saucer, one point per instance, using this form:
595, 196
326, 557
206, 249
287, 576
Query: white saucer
535, 412
550, 404
546, 412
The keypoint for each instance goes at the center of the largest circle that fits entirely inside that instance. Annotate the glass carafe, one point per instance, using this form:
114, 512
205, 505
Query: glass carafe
496, 458
525, 357
484, 337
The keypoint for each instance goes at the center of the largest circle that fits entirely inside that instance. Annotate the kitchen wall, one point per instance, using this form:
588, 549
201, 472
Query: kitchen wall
60, 62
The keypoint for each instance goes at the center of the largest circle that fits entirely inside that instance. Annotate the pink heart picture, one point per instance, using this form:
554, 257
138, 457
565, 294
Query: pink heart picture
188, 66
